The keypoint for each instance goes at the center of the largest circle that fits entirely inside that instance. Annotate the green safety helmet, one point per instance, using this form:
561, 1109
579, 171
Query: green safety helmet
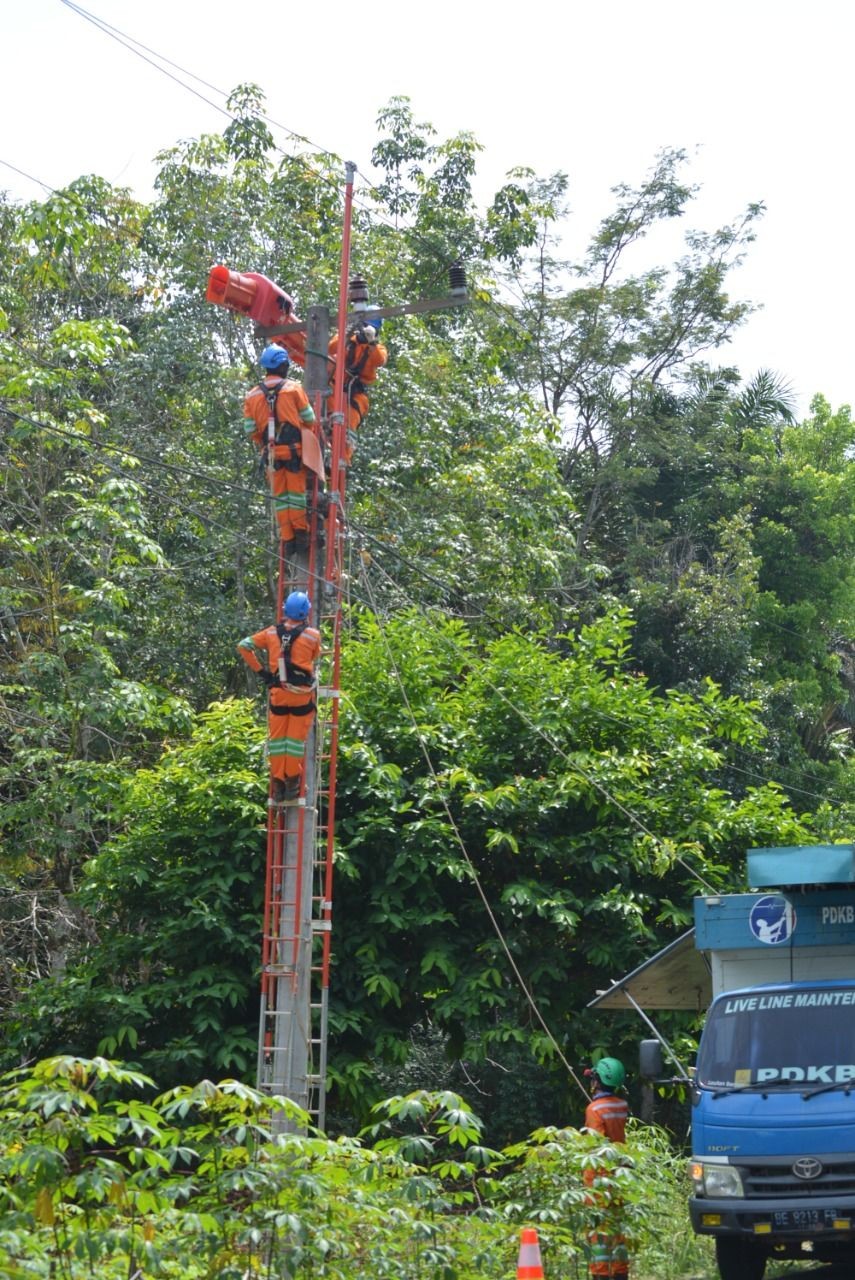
610, 1072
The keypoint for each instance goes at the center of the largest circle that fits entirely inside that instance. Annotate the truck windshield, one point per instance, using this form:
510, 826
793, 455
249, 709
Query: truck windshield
801, 1037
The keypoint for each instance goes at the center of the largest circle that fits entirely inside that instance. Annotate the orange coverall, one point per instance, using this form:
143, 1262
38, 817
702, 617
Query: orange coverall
291, 708
362, 360
287, 474
607, 1114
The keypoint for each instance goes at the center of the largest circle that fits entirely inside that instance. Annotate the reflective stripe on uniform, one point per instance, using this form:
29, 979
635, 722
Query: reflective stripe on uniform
607, 1114
610, 1108
286, 747
289, 501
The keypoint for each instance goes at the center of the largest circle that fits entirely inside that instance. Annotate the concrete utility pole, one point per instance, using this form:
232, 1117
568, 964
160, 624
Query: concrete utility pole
294, 1009
296, 935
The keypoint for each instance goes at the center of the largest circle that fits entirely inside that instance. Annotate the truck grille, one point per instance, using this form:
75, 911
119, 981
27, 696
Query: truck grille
778, 1179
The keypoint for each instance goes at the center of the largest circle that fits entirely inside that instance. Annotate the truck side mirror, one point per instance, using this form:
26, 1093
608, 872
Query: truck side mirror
651, 1065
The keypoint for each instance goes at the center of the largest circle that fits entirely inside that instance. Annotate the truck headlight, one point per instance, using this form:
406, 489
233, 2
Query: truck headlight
716, 1180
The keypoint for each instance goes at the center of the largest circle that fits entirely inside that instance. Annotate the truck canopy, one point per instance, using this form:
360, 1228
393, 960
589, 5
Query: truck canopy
803, 932
677, 977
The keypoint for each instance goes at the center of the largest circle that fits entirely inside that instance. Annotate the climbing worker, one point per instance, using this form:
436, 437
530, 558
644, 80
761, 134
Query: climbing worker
276, 413
290, 649
606, 1114
363, 356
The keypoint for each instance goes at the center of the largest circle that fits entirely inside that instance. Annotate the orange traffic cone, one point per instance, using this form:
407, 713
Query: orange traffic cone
529, 1266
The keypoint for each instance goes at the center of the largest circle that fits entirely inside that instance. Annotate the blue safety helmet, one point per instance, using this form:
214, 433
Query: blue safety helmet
297, 606
376, 323
274, 357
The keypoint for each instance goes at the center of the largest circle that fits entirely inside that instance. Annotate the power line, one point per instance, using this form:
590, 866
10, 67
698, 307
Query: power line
573, 764
448, 591
270, 553
476, 879
197, 473
134, 46
28, 176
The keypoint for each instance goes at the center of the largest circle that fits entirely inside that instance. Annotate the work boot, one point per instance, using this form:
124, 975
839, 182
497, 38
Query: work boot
301, 540
279, 793
288, 548
292, 791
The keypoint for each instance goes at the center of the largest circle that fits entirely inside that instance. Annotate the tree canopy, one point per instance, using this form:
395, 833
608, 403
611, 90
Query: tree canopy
600, 624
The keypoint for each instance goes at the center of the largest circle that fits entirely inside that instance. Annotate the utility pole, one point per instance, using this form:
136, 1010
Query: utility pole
294, 987
297, 927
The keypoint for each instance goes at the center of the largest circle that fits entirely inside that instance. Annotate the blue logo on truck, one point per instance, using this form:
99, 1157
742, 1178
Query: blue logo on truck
772, 919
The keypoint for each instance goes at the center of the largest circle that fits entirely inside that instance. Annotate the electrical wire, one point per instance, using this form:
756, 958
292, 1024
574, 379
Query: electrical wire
450, 591
140, 49
232, 542
108, 29
574, 765
476, 879
271, 554
197, 473
129, 43
28, 176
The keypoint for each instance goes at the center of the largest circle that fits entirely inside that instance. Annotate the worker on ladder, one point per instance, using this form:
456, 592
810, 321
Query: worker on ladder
290, 651
277, 417
363, 356
606, 1114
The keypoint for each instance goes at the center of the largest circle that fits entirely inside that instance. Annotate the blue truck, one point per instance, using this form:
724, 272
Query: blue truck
773, 1091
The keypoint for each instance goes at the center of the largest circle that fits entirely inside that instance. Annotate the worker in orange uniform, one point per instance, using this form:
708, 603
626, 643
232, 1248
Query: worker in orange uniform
607, 1114
276, 411
285, 656
363, 356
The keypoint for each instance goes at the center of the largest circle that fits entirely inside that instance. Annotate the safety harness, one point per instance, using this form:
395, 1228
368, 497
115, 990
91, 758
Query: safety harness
280, 433
353, 371
295, 679
355, 368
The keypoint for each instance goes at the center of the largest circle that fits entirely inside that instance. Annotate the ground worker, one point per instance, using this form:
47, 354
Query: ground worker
275, 412
607, 1114
290, 652
363, 356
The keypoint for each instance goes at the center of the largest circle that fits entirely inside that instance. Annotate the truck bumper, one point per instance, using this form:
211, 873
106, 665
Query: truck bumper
803, 1218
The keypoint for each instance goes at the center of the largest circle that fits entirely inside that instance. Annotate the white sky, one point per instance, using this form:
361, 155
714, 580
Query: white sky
758, 90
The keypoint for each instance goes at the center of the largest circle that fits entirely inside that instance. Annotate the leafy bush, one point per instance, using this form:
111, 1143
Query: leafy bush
101, 1177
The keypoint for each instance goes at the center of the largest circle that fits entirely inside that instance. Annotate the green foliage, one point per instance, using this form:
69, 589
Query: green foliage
616, 585
100, 1176
176, 895
582, 798
638, 1190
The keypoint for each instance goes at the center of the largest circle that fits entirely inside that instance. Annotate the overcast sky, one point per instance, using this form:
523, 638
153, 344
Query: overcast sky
758, 92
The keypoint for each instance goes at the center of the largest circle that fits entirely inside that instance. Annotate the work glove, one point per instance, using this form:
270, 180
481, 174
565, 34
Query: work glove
268, 678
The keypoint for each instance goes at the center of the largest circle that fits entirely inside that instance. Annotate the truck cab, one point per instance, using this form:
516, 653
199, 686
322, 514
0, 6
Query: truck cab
773, 1093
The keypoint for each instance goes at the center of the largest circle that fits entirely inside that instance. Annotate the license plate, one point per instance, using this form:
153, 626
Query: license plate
805, 1219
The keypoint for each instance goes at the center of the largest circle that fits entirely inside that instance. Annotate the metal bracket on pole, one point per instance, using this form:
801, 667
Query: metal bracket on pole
385, 313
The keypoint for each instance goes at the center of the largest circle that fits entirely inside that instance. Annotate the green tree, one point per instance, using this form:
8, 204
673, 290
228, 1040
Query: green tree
173, 902
585, 803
